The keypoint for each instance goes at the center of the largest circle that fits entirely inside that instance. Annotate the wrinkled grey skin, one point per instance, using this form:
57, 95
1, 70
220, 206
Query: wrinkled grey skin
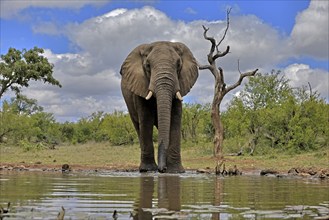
164, 68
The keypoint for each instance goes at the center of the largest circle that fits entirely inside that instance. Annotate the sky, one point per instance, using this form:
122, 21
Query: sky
87, 41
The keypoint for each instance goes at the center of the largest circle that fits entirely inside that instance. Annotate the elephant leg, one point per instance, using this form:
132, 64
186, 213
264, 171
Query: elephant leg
146, 123
174, 161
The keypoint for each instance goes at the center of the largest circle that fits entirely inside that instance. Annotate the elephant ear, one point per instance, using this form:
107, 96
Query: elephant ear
189, 71
132, 72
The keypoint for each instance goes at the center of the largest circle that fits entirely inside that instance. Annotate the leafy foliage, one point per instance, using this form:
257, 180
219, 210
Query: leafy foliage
22, 121
18, 68
268, 115
196, 122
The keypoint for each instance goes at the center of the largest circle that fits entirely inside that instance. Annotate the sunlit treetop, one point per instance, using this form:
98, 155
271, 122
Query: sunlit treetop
18, 68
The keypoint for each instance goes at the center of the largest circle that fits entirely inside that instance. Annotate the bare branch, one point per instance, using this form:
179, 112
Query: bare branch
242, 76
222, 54
214, 45
227, 26
221, 73
204, 67
211, 39
205, 31
239, 66
310, 87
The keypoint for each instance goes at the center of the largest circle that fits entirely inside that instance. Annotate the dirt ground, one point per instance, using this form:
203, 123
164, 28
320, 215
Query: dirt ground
309, 172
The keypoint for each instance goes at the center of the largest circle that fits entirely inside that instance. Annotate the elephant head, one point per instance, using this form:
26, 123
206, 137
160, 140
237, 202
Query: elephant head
165, 70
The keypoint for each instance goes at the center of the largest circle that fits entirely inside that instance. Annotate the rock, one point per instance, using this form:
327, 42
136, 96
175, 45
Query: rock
268, 171
203, 171
234, 171
304, 174
311, 171
20, 168
293, 171
280, 175
66, 168
322, 174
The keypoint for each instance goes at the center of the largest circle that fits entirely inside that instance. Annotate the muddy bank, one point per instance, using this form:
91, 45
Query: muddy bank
64, 168
309, 172
298, 172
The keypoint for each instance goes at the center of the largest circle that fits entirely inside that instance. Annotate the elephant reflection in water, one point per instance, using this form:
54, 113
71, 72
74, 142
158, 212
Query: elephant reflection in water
168, 191
145, 199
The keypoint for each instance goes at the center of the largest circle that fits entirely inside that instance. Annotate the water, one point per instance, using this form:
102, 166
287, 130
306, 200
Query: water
40, 195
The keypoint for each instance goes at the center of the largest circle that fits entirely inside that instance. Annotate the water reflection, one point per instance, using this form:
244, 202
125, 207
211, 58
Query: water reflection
145, 199
169, 192
168, 196
150, 196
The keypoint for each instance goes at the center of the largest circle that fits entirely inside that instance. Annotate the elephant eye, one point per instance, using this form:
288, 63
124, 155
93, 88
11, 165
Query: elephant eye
147, 67
179, 65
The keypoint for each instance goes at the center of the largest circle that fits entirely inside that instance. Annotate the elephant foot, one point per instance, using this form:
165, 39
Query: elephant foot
177, 168
146, 167
162, 169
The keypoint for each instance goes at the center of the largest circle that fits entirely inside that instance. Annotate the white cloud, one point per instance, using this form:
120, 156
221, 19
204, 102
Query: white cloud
12, 8
115, 12
310, 35
49, 28
302, 74
83, 91
91, 80
116, 35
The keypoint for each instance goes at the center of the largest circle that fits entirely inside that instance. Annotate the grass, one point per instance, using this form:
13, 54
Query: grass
194, 156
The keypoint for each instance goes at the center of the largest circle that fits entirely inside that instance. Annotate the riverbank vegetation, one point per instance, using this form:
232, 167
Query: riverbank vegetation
92, 156
267, 116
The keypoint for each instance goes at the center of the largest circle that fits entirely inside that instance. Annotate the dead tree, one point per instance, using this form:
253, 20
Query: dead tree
221, 89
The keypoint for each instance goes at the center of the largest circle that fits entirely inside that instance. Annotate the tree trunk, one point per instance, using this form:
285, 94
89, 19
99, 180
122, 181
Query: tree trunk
219, 134
217, 122
220, 88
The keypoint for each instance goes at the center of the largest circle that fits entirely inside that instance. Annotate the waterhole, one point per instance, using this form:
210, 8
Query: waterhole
40, 195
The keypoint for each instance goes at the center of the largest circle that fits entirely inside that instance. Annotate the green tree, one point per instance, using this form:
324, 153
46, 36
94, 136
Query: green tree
22, 119
270, 114
195, 118
68, 130
266, 90
23, 105
16, 121
118, 129
18, 68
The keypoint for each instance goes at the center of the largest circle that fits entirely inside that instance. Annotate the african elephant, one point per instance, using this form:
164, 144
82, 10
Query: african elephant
155, 76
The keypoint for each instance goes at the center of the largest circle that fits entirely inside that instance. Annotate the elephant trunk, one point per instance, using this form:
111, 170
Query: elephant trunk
164, 90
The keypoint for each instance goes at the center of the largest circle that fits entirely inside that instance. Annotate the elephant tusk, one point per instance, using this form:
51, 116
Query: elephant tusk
149, 95
179, 96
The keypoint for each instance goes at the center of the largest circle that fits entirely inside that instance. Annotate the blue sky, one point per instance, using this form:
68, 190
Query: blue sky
280, 14
290, 35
